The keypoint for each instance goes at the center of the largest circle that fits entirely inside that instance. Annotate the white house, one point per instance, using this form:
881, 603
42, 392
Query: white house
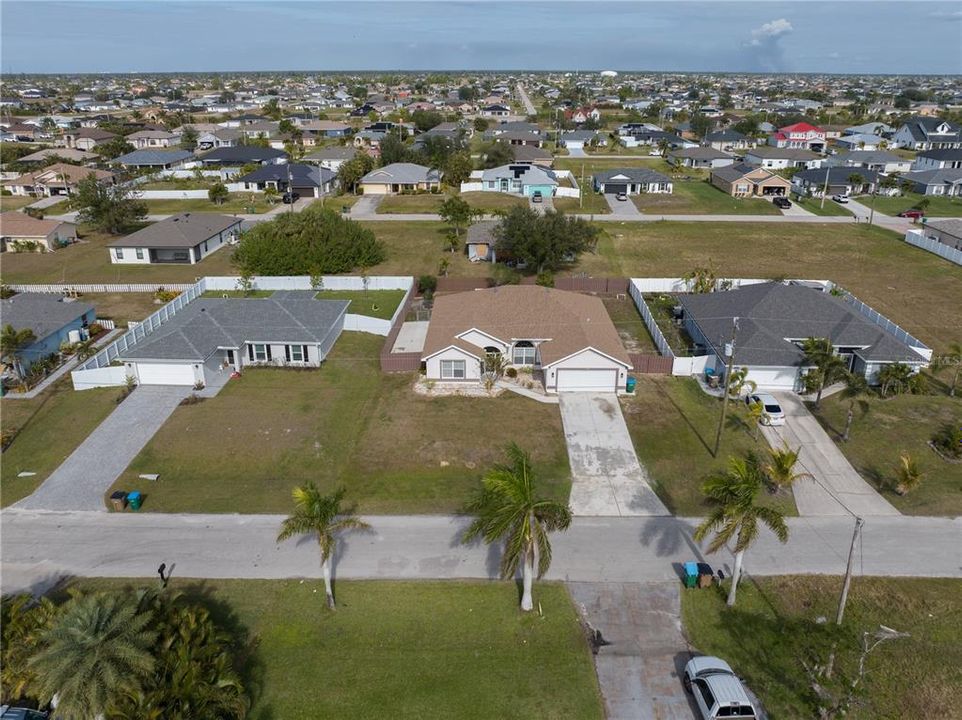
183, 239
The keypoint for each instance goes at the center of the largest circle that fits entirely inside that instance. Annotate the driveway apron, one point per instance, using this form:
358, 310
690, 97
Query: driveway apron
82, 479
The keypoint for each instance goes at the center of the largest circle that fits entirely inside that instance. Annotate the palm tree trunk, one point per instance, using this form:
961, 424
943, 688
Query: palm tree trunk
955, 380
736, 576
848, 423
818, 395
326, 571
527, 577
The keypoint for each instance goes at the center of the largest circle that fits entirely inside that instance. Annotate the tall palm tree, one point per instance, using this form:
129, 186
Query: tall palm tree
12, 341
953, 359
508, 509
780, 468
829, 367
96, 651
737, 512
855, 387
23, 624
321, 515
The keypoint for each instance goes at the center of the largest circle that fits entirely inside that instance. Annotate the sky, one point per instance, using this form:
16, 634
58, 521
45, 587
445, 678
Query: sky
844, 36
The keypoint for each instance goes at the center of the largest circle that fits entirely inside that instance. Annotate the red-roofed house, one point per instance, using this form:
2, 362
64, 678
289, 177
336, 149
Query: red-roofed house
800, 135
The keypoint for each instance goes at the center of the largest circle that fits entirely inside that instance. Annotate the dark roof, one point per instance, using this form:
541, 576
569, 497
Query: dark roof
529, 153
700, 153
334, 152
940, 154
777, 153
153, 157
206, 324
481, 232
186, 230
725, 136
42, 313
768, 313
301, 175
645, 176
731, 173
242, 154
837, 175
950, 176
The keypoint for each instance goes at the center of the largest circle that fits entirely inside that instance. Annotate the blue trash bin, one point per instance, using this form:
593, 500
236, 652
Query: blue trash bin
630, 384
134, 499
691, 574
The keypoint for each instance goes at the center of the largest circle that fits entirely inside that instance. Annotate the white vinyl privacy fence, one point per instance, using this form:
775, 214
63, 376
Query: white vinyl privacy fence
918, 239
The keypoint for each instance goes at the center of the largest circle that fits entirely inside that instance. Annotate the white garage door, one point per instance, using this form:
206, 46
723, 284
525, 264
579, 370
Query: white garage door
587, 380
165, 374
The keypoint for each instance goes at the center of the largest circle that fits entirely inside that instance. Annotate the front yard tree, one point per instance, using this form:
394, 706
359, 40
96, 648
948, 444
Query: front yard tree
320, 515
218, 193
855, 387
108, 208
115, 147
780, 468
496, 154
457, 213
457, 168
546, 242
737, 512
12, 341
828, 367
188, 138
351, 172
509, 510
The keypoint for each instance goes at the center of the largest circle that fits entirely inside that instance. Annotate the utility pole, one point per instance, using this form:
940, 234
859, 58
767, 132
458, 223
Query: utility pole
848, 571
290, 186
730, 351
871, 212
581, 188
825, 187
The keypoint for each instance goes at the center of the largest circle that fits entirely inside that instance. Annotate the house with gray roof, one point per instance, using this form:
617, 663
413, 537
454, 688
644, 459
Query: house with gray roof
331, 157
947, 231
184, 239
928, 133
51, 318
728, 140
213, 337
774, 319
947, 182
479, 242
154, 159
518, 179
776, 158
700, 157
632, 181
879, 160
942, 159
401, 178
837, 181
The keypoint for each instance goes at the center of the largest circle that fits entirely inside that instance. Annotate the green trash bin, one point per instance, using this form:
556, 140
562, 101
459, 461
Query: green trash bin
134, 499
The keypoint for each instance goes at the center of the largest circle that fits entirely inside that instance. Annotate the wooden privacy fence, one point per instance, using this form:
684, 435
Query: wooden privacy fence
647, 364
601, 286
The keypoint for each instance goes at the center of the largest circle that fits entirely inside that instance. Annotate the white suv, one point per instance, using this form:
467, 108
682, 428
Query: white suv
718, 692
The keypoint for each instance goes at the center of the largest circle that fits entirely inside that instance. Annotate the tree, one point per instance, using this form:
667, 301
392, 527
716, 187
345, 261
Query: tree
393, 150
424, 120
115, 147
271, 194
857, 181
349, 174
323, 516
828, 367
508, 509
894, 377
756, 413
218, 193
23, 623
457, 169
951, 359
855, 386
701, 279
700, 125
272, 109
467, 93
110, 208
480, 124
545, 242
908, 476
495, 154
188, 138
780, 469
97, 650
457, 213
737, 513
12, 341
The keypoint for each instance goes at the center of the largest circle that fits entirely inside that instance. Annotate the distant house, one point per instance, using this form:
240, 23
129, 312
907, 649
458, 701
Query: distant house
700, 157
69, 155
306, 180
520, 179
746, 181
56, 179
184, 239
879, 160
869, 128
495, 110
947, 231
632, 181
774, 158
154, 159
323, 128
946, 182
20, 232
51, 318
219, 138
244, 155
576, 139
799, 135
147, 139
840, 181
656, 138
861, 141
942, 159
532, 155
728, 140
331, 157
480, 241
928, 133
86, 138
401, 178
581, 115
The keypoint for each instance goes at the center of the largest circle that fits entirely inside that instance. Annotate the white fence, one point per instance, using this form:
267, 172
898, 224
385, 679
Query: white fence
919, 240
303, 282
110, 376
567, 192
635, 291
82, 288
883, 322
106, 324
172, 195
472, 187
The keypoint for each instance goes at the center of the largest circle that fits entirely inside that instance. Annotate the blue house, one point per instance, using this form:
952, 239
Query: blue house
520, 179
50, 317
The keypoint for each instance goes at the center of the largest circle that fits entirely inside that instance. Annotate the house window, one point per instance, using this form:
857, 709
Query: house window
119, 253
452, 369
297, 353
140, 253
260, 353
523, 353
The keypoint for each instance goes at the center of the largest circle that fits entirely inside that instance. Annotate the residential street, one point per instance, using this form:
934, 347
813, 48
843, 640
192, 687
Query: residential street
39, 547
526, 101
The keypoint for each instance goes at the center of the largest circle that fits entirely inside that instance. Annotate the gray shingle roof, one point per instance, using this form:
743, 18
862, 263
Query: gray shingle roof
42, 313
401, 173
645, 176
153, 157
770, 312
186, 230
700, 153
206, 324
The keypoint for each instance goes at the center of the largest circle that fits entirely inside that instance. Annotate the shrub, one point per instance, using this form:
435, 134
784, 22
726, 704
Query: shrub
427, 283
165, 296
948, 440
545, 279
918, 384
95, 329
511, 373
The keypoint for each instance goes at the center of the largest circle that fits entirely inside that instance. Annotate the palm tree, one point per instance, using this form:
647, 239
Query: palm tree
855, 386
856, 181
736, 515
508, 509
780, 469
829, 367
952, 358
322, 515
270, 194
23, 623
96, 651
894, 376
12, 341
908, 476
756, 413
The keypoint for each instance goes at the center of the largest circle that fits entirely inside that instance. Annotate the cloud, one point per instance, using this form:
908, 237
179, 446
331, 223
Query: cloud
770, 31
763, 50
955, 15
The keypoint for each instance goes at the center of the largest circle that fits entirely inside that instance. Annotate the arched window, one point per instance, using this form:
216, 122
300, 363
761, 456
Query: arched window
524, 353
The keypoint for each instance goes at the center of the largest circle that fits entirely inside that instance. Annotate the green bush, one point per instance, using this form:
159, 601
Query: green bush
427, 283
511, 373
948, 440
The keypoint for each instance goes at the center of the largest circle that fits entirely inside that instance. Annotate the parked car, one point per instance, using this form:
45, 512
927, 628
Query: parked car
17, 713
536, 197
840, 199
291, 197
774, 415
782, 202
621, 197
912, 214
718, 691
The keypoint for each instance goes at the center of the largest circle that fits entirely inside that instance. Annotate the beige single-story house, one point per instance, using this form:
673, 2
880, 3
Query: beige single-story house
186, 238
86, 138
565, 340
742, 181
400, 178
19, 233
56, 179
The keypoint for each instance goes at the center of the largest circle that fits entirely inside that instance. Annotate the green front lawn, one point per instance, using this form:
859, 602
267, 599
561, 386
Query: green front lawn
374, 303
237, 203
700, 198
416, 248
346, 423
48, 428
401, 649
15, 202
939, 205
588, 166
884, 429
410, 204
493, 201
672, 424
591, 203
774, 628
831, 209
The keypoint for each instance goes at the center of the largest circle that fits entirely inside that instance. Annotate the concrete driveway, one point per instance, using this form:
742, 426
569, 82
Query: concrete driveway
640, 672
366, 206
837, 485
796, 210
606, 477
622, 208
82, 479
577, 152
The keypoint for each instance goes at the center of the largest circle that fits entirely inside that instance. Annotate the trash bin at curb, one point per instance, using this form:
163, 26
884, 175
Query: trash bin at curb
119, 500
691, 572
630, 384
135, 499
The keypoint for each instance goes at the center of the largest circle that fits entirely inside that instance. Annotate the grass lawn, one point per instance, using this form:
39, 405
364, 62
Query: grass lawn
191, 184
416, 248
672, 424
773, 628
336, 202
15, 202
884, 429
236, 203
593, 203
427, 203
346, 423
700, 198
592, 165
831, 209
121, 307
402, 649
374, 303
662, 307
51, 426
493, 201
939, 205
627, 320
89, 262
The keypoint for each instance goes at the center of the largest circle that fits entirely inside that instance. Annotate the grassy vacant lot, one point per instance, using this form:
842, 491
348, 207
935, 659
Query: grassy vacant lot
672, 424
594, 164
402, 649
814, 205
89, 262
939, 205
630, 326
15, 202
884, 429
493, 201
121, 307
236, 203
182, 184
426, 203
416, 248
51, 426
591, 204
773, 629
700, 198
375, 303
346, 423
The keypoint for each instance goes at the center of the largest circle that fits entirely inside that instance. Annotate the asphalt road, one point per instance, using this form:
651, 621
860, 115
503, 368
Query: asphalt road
526, 101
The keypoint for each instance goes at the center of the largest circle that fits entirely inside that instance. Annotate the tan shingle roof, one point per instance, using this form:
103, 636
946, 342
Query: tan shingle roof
570, 322
18, 224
